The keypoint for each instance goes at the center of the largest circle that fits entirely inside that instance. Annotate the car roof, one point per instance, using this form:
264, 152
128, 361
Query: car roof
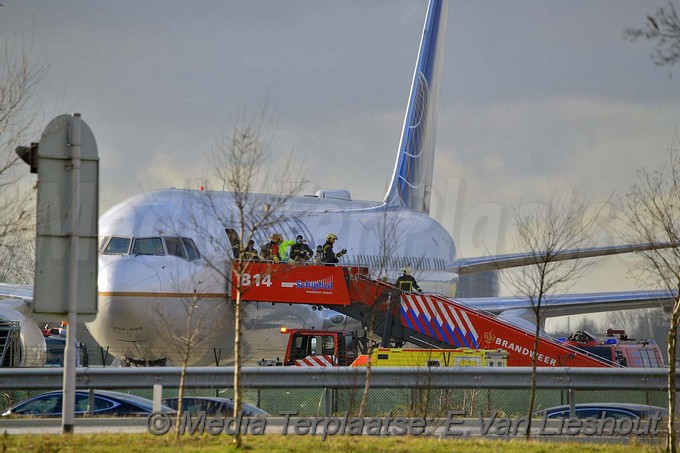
142, 403
127, 397
642, 409
217, 399
626, 406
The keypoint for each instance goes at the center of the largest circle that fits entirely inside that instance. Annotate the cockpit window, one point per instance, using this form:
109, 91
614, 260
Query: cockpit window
102, 243
181, 247
117, 246
192, 251
148, 246
174, 246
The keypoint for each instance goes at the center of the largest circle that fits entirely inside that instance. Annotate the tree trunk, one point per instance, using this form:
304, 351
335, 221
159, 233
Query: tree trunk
185, 364
367, 384
237, 440
672, 337
534, 363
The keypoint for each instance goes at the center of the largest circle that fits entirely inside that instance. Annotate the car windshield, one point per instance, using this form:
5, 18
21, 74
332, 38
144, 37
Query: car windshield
42, 405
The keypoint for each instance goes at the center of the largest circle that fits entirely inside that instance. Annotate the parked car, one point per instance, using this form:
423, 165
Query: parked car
106, 403
213, 406
597, 410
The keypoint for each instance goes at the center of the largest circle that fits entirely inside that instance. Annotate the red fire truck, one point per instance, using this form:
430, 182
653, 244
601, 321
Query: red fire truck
425, 320
624, 351
315, 348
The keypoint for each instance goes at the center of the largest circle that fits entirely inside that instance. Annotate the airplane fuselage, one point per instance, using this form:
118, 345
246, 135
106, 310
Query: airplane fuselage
157, 297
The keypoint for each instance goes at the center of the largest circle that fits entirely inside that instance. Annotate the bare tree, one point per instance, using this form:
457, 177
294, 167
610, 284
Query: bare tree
652, 211
189, 340
18, 251
19, 83
544, 232
239, 163
388, 236
664, 28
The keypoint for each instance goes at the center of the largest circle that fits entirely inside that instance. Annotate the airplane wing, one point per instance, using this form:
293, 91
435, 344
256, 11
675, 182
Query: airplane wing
574, 304
497, 262
23, 292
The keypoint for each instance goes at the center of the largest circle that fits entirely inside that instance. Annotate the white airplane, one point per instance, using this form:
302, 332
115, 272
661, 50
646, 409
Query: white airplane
163, 254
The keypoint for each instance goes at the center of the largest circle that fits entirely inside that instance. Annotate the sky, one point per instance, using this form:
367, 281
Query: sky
537, 98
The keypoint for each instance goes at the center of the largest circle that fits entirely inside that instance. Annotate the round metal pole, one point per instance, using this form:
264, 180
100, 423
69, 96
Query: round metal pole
70, 350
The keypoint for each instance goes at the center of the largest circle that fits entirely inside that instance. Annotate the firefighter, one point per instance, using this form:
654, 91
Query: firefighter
270, 251
284, 247
235, 243
249, 253
329, 256
300, 251
406, 282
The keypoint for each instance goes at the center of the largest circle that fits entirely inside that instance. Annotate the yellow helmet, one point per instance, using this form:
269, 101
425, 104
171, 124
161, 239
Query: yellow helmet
331, 236
406, 270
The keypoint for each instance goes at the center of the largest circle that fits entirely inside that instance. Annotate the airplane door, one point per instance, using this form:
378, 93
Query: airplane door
235, 242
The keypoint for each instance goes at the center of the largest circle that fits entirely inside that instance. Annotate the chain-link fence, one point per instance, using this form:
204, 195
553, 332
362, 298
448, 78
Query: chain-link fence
407, 402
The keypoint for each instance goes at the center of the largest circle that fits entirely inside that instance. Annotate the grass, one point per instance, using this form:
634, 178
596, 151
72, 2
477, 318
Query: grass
35, 443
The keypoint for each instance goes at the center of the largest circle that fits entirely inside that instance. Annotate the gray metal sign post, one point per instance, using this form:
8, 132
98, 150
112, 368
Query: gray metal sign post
66, 243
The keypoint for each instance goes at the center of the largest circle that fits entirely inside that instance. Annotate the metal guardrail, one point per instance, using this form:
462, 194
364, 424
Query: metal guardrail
343, 377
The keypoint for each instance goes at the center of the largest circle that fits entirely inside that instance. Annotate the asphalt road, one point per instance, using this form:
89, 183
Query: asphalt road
550, 430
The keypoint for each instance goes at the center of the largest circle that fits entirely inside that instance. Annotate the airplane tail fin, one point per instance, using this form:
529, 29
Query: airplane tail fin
411, 184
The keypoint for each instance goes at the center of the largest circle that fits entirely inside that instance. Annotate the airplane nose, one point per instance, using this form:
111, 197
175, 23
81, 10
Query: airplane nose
124, 306
128, 275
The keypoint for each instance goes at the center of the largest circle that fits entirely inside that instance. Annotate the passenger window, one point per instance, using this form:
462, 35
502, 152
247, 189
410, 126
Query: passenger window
620, 414
192, 251
174, 246
102, 403
585, 413
148, 246
81, 403
118, 246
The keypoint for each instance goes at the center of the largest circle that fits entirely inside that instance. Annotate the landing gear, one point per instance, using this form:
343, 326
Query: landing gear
127, 362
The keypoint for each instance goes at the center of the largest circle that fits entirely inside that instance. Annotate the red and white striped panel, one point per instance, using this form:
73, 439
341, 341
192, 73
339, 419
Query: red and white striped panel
434, 310
317, 361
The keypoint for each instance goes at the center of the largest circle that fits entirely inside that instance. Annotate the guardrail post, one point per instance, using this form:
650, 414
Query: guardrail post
157, 397
572, 403
90, 403
327, 397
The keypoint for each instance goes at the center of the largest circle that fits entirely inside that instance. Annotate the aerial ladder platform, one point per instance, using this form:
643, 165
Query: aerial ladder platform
424, 319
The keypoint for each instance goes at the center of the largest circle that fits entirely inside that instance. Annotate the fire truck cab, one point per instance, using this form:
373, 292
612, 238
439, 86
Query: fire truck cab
319, 348
623, 351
